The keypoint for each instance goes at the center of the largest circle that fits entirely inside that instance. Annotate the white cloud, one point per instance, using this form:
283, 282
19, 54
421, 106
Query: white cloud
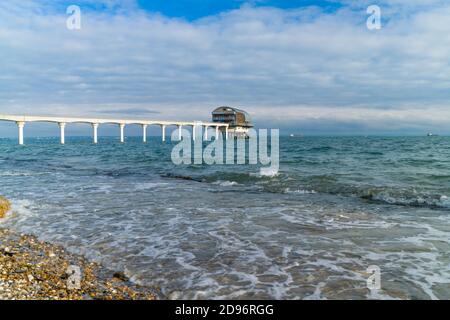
279, 64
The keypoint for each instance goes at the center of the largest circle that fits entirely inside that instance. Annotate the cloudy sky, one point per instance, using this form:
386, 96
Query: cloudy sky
304, 66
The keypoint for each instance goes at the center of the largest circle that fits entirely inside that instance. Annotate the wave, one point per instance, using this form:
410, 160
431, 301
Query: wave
299, 191
289, 183
220, 176
21, 174
20, 210
395, 197
226, 183
182, 177
269, 172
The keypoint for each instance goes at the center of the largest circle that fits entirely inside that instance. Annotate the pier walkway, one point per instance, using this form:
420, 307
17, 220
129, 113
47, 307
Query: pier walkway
63, 121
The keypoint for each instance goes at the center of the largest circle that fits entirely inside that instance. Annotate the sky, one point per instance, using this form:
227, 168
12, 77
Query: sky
305, 67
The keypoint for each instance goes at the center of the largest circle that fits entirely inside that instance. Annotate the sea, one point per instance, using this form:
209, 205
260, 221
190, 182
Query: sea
337, 209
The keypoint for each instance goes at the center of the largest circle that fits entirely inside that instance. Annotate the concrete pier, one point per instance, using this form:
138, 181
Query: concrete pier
62, 127
95, 128
144, 133
163, 132
206, 133
122, 132
20, 125
95, 122
180, 127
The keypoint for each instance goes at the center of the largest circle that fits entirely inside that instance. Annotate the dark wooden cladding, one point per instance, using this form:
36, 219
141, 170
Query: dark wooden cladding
233, 116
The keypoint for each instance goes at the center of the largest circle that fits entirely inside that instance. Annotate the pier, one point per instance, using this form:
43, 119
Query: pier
121, 123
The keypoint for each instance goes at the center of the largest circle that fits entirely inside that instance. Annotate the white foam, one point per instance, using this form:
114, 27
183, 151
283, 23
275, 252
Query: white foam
226, 183
269, 172
299, 191
20, 210
428, 200
20, 174
149, 185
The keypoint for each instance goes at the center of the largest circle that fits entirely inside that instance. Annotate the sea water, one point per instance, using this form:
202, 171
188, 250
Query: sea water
337, 206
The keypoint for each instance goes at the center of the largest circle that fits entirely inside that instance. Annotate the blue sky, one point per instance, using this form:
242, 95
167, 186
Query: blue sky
195, 9
308, 67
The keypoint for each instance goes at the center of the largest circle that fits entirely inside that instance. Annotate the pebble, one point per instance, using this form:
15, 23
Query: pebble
34, 270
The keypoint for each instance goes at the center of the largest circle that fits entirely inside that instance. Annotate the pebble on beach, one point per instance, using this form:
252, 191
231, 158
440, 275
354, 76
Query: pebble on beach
35, 270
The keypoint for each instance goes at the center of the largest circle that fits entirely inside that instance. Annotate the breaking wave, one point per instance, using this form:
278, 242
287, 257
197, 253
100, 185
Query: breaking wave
408, 199
284, 183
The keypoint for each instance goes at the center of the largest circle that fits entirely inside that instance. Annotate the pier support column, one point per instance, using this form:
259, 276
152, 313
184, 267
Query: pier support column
144, 133
206, 133
217, 132
163, 133
20, 126
226, 133
193, 132
95, 128
62, 127
122, 135
179, 132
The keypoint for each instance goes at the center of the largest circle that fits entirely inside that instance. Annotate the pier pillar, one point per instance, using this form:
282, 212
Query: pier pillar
95, 128
226, 133
20, 126
122, 135
206, 133
193, 132
144, 133
217, 132
179, 132
62, 127
163, 132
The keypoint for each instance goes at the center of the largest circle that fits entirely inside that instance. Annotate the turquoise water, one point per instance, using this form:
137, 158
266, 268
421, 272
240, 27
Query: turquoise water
337, 206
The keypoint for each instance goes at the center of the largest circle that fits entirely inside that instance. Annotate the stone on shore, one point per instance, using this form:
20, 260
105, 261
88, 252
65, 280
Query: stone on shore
35, 270
5, 206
